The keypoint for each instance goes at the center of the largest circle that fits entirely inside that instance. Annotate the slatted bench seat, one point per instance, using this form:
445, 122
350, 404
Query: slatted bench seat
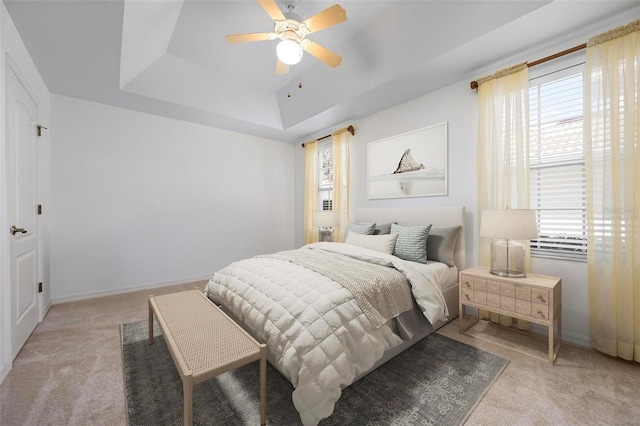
204, 342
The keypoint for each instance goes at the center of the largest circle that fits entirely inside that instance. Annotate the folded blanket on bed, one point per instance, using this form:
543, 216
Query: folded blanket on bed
424, 284
382, 292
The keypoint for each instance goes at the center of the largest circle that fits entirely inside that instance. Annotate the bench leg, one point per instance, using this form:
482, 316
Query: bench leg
263, 385
187, 390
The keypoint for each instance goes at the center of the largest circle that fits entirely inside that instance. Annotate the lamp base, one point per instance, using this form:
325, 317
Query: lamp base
507, 259
508, 273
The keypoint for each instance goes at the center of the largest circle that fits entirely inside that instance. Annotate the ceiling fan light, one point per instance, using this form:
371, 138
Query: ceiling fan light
289, 52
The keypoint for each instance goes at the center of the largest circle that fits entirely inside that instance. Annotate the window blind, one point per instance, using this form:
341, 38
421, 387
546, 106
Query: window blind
557, 164
325, 177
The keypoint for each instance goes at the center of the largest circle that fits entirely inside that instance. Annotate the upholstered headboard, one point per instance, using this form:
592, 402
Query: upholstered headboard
440, 217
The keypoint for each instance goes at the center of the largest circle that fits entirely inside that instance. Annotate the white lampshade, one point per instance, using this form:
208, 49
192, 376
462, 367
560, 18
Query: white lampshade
515, 224
326, 218
289, 52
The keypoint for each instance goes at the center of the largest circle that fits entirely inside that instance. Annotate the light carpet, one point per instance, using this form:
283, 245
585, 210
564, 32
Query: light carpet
438, 381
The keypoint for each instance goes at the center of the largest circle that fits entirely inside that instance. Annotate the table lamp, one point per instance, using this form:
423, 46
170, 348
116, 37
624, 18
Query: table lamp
325, 220
505, 226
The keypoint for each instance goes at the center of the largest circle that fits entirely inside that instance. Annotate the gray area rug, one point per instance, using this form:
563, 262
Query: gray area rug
438, 381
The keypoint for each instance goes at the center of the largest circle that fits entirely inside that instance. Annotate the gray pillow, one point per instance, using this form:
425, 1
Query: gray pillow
383, 228
441, 243
360, 228
412, 242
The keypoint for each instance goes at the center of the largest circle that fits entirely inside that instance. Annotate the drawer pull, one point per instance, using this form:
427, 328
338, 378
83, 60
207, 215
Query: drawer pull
541, 298
467, 284
541, 314
466, 296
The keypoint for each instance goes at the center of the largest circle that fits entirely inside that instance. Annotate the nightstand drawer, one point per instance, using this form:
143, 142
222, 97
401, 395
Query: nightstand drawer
479, 284
539, 310
493, 300
467, 294
480, 297
467, 282
540, 295
523, 307
508, 289
523, 292
493, 287
508, 303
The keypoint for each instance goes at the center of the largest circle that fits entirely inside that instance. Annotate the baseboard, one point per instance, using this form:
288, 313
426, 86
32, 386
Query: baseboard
573, 338
124, 290
576, 339
44, 311
4, 370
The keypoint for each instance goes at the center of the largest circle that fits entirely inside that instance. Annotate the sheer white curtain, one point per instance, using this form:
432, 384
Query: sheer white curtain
340, 155
340, 192
503, 149
310, 191
612, 124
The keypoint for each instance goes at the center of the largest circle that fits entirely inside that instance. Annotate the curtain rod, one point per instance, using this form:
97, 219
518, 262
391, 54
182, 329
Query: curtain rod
474, 83
350, 129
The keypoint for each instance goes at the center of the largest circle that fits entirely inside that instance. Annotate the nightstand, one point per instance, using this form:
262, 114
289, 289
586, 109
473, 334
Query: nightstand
535, 298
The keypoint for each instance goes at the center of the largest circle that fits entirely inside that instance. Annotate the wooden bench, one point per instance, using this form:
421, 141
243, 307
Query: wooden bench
204, 342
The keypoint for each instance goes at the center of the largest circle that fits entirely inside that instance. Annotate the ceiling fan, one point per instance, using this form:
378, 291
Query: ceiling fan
292, 30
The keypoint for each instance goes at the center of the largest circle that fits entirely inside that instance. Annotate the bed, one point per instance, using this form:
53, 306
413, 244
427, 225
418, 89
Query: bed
332, 312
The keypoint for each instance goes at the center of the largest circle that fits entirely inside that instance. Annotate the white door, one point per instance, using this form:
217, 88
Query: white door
22, 155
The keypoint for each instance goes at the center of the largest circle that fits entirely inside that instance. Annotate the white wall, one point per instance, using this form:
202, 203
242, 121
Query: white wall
141, 200
13, 50
455, 105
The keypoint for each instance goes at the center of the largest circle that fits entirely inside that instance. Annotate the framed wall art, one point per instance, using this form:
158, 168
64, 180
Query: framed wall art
413, 164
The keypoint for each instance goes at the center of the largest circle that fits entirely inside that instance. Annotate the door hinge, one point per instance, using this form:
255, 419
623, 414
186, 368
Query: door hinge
39, 208
40, 127
39, 287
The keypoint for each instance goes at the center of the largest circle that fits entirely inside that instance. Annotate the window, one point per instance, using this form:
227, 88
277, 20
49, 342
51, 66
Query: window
557, 164
325, 176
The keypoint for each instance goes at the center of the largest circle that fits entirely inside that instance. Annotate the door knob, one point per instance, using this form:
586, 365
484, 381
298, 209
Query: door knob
15, 230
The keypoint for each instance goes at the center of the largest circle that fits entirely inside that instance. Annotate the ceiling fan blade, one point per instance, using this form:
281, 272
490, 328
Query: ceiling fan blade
243, 38
282, 68
324, 54
271, 7
328, 17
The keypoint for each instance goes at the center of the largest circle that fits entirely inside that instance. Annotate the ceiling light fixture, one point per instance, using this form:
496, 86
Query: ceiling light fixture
289, 51
292, 31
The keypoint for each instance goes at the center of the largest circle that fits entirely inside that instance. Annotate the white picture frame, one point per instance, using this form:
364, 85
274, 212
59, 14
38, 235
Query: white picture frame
393, 164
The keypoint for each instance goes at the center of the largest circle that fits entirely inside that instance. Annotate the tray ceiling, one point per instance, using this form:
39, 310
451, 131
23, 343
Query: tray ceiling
170, 57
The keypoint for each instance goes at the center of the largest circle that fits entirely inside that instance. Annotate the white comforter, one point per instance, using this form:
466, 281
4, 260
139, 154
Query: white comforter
314, 329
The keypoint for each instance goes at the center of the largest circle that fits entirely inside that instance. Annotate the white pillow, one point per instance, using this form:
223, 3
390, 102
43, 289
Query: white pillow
384, 243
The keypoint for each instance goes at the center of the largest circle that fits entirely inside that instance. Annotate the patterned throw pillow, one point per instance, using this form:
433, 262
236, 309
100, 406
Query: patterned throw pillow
360, 228
412, 242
